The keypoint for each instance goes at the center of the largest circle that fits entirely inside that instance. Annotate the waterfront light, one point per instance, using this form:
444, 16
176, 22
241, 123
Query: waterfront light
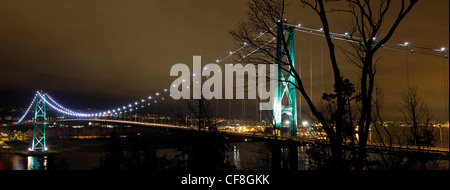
304, 123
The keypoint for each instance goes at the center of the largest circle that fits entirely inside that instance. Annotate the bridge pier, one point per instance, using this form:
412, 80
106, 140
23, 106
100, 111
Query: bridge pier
284, 155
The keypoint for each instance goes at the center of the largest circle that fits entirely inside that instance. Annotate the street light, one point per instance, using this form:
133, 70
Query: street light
304, 123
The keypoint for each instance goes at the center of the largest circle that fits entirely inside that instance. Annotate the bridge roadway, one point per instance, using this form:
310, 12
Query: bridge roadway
127, 123
258, 135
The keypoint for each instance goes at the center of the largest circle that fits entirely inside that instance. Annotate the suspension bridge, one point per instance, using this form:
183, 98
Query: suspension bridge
285, 94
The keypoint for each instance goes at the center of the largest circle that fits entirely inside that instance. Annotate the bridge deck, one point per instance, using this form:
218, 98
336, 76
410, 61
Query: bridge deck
260, 135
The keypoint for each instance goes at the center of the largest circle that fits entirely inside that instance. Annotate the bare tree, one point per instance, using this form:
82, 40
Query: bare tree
201, 110
415, 114
368, 27
264, 16
417, 117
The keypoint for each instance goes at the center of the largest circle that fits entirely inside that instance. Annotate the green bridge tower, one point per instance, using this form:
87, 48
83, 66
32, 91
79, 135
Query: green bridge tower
285, 85
40, 118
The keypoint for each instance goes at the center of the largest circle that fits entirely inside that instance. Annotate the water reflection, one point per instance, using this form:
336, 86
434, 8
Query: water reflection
17, 163
37, 162
303, 158
237, 158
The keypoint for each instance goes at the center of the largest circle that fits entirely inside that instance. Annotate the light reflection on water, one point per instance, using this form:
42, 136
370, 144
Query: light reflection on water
242, 155
37, 162
237, 159
16, 162
79, 160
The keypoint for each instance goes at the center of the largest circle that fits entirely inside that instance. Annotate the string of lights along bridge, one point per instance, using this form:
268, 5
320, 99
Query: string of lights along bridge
41, 99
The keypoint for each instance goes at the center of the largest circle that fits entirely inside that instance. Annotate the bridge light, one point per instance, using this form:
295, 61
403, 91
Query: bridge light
149, 97
157, 94
304, 123
165, 89
442, 49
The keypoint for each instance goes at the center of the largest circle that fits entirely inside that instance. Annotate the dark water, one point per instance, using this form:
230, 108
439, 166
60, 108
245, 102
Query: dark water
242, 156
83, 149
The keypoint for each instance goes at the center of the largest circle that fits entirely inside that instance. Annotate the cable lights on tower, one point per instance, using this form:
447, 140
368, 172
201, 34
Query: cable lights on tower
61, 109
28, 109
394, 46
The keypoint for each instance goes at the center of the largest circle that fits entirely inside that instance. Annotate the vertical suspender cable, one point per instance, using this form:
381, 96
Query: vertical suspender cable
229, 109
321, 57
310, 69
299, 113
412, 67
445, 89
407, 68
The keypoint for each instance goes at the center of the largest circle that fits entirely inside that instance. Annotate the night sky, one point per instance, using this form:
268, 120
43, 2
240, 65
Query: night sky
110, 52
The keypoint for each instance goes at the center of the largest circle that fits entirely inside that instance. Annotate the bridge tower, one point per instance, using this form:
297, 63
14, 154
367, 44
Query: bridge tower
285, 85
40, 116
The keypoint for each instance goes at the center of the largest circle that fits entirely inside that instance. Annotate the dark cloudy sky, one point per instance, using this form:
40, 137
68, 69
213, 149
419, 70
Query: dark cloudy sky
118, 51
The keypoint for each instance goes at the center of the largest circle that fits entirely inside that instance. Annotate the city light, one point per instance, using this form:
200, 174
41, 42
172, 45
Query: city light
305, 123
